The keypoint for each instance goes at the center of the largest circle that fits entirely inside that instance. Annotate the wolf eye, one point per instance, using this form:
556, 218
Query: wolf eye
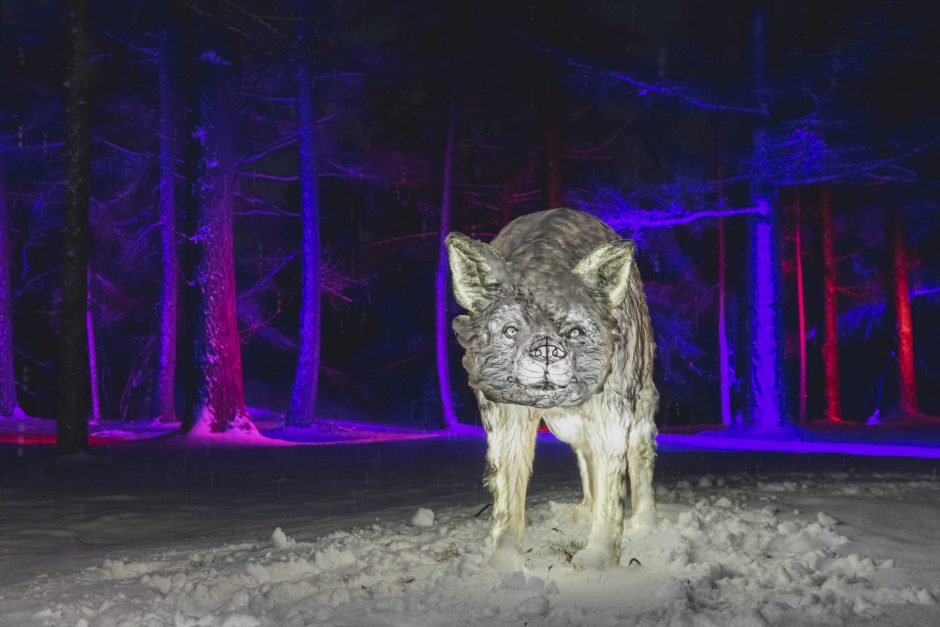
575, 332
510, 331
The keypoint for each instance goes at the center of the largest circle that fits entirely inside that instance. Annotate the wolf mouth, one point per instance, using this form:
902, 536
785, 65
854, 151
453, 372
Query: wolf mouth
546, 385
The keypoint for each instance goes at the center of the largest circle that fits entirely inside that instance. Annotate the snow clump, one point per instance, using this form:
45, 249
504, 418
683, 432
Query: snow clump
423, 518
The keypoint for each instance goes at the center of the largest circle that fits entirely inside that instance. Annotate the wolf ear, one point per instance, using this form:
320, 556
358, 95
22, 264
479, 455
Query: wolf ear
477, 271
607, 268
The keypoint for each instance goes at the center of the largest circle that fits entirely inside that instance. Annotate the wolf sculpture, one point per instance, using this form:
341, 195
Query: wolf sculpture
558, 330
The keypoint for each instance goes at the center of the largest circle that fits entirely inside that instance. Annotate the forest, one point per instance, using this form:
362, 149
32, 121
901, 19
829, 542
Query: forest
208, 206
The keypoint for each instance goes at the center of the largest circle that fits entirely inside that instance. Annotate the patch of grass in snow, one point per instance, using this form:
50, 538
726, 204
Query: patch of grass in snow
565, 548
447, 553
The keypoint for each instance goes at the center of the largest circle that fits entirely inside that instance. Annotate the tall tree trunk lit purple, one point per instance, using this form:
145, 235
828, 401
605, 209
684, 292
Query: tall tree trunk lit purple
73, 383
169, 278
902, 307
220, 391
441, 328
830, 309
800, 307
93, 380
303, 401
766, 395
8, 403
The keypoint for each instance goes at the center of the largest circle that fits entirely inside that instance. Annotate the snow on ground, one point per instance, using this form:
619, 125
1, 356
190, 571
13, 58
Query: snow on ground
392, 534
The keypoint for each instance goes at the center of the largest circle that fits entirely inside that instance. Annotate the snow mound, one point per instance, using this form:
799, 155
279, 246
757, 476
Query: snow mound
716, 556
281, 540
423, 518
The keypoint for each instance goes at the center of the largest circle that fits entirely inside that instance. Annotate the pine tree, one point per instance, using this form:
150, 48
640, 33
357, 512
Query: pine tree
220, 397
303, 401
73, 384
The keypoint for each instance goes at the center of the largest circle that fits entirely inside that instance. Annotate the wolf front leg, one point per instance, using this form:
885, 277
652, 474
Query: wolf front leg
608, 469
641, 454
510, 438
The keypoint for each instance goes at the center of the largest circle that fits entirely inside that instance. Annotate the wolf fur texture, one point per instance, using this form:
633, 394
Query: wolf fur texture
558, 330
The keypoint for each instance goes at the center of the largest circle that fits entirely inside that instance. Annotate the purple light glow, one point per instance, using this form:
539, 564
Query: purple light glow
338, 432
441, 331
679, 443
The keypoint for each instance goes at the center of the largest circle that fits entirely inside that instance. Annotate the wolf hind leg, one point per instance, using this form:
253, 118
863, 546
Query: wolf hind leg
641, 456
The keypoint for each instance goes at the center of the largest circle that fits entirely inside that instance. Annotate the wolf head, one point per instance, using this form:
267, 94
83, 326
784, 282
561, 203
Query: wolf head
540, 336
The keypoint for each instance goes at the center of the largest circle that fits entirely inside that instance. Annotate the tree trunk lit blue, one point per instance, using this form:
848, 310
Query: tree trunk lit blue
765, 406
303, 401
766, 376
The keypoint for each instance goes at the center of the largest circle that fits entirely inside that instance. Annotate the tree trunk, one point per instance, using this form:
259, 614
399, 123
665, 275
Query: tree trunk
766, 394
95, 416
303, 401
220, 393
554, 144
551, 23
73, 383
902, 307
724, 364
830, 347
441, 328
800, 306
8, 404
186, 367
169, 279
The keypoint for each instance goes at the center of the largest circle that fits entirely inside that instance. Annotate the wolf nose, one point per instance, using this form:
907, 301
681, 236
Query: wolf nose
546, 350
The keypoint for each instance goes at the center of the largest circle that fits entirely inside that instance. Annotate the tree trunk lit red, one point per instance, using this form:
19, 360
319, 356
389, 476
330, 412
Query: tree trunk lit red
902, 306
220, 395
830, 347
801, 306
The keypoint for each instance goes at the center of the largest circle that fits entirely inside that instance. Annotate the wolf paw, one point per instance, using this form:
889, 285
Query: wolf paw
593, 557
645, 519
582, 513
506, 559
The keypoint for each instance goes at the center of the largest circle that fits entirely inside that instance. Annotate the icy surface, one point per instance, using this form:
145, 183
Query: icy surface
393, 535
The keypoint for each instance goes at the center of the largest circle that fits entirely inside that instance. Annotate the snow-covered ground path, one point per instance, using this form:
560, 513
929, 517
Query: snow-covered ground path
152, 533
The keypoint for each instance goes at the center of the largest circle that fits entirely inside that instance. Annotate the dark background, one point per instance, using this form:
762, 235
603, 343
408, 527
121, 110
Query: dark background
854, 101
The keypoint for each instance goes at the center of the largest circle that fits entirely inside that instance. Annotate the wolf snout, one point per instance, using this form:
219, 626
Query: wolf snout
547, 350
